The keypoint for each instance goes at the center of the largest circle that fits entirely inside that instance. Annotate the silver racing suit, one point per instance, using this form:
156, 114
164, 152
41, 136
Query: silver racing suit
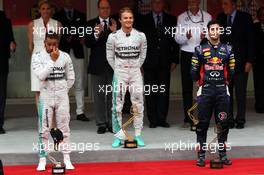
56, 80
126, 54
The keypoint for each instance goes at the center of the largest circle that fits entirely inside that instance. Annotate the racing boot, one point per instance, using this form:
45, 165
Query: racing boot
224, 159
42, 164
140, 141
116, 143
67, 162
201, 160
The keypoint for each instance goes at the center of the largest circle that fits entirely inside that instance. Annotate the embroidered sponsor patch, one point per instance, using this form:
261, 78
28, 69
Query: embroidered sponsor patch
222, 53
206, 49
222, 49
195, 61
222, 116
207, 54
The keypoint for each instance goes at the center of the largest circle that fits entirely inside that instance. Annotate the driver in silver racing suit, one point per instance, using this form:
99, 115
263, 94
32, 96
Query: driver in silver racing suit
55, 71
126, 53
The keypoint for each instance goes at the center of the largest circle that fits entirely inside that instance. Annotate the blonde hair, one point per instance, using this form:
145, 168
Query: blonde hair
125, 9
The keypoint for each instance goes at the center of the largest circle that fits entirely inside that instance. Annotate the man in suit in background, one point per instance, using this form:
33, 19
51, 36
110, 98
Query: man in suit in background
73, 45
242, 41
162, 57
7, 44
100, 70
258, 70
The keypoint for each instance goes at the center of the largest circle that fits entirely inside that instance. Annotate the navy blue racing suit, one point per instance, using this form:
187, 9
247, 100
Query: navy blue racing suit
212, 68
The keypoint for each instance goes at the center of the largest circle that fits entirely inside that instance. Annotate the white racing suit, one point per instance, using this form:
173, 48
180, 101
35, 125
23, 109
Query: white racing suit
126, 54
56, 80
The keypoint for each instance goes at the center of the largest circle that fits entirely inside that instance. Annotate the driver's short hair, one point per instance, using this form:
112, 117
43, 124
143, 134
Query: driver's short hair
99, 1
212, 23
125, 9
52, 35
41, 2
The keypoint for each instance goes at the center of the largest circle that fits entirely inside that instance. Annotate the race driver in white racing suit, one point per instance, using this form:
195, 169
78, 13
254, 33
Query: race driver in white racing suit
126, 52
55, 70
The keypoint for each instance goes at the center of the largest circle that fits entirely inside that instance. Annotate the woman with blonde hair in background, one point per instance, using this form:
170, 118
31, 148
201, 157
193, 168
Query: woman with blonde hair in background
37, 30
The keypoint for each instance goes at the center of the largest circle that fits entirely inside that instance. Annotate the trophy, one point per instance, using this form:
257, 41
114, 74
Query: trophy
58, 167
215, 162
123, 134
193, 113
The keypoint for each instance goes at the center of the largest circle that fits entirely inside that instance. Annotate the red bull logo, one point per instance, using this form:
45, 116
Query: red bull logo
215, 60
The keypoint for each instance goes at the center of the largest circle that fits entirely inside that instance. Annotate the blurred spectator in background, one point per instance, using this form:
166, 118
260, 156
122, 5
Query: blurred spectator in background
100, 70
258, 70
161, 60
192, 22
7, 44
241, 38
37, 30
73, 45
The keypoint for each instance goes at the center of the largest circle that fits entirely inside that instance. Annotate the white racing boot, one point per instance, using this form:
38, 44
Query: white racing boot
42, 164
67, 162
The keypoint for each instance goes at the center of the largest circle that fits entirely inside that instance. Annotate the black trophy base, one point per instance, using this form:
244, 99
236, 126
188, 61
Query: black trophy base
58, 169
216, 164
130, 144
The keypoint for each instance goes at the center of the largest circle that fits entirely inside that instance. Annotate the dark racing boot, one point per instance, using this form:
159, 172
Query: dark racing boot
201, 160
224, 159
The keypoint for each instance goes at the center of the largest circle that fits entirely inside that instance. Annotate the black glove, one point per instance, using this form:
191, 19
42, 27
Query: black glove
57, 136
